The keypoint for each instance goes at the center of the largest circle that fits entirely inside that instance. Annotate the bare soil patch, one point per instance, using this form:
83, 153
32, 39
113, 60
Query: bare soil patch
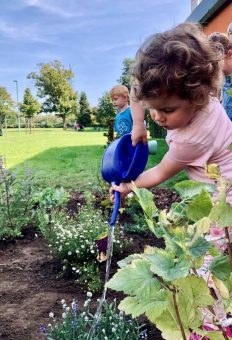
30, 286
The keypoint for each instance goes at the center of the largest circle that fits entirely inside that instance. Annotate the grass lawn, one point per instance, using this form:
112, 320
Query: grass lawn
63, 158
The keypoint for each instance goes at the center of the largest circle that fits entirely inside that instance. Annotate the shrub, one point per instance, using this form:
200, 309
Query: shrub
16, 202
73, 240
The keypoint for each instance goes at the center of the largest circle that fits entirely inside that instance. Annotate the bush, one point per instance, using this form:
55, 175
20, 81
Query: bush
16, 203
73, 240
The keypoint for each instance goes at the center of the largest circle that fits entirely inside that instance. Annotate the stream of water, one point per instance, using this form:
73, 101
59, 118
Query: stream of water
109, 254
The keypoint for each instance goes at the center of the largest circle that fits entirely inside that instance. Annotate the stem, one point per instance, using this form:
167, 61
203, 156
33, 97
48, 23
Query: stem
8, 202
229, 244
178, 316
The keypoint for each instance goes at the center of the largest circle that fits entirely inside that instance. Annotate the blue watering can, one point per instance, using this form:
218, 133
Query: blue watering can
122, 162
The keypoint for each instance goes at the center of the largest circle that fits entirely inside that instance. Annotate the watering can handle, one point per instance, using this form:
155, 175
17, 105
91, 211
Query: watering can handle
116, 207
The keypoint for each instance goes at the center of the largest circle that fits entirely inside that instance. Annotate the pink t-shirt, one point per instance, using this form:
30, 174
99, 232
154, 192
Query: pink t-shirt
204, 141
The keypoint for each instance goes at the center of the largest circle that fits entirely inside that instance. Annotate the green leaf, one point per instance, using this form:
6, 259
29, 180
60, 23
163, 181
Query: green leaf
168, 324
167, 266
220, 267
152, 307
200, 206
127, 260
201, 227
177, 212
145, 199
188, 189
215, 335
196, 289
222, 211
135, 279
199, 247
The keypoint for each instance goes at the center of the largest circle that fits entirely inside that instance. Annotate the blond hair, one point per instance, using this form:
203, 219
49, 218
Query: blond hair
119, 90
182, 62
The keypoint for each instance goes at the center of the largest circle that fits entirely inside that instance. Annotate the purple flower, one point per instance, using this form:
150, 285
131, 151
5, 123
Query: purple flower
102, 244
43, 329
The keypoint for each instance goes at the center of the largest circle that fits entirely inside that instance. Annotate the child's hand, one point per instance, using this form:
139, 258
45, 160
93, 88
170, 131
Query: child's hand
123, 188
139, 133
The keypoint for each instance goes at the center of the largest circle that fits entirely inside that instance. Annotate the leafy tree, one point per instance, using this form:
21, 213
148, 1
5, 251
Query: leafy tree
53, 84
125, 77
84, 114
6, 106
105, 115
30, 106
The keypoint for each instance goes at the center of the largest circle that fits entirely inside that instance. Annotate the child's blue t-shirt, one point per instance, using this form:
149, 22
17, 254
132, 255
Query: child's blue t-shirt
226, 98
123, 122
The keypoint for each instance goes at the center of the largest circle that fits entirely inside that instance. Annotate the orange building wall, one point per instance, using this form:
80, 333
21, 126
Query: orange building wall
221, 22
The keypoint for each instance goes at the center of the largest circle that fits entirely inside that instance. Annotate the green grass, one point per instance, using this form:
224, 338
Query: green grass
63, 158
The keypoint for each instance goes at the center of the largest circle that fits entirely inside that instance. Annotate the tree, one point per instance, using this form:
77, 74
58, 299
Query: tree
53, 84
6, 106
125, 77
30, 106
106, 115
84, 114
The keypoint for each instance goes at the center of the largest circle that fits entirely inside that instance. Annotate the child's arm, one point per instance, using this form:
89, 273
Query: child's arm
139, 131
152, 177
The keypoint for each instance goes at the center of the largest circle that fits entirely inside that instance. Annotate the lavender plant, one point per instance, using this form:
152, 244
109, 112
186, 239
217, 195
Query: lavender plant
76, 324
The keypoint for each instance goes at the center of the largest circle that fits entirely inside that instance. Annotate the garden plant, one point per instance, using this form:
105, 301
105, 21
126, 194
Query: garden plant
172, 286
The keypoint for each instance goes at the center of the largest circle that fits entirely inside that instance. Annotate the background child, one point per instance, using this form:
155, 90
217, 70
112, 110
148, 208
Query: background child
224, 43
123, 121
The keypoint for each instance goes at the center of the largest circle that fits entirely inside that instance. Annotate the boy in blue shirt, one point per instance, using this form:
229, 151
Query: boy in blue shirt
123, 121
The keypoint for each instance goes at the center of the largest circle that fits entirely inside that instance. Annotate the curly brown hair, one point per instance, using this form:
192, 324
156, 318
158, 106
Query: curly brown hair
222, 41
181, 61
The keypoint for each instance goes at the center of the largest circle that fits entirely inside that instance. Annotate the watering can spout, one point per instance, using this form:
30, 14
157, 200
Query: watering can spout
116, 207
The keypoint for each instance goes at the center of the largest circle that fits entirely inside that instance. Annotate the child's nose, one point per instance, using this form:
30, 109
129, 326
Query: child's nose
156, 115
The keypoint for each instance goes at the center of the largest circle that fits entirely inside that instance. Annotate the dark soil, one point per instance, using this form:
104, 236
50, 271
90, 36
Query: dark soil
30, 287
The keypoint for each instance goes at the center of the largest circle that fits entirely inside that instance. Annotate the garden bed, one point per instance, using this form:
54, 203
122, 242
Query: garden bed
30, 286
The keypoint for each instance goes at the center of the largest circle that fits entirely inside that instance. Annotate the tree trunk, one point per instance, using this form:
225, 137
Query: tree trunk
64, 121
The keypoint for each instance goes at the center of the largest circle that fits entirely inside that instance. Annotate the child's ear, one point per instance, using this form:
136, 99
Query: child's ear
229, 53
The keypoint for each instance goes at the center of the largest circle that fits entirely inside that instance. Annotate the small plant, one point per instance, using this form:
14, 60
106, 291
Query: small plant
16, 202
76, 324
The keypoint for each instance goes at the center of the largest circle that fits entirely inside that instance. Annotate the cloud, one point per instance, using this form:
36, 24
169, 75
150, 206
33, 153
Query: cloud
58, 8
112, 47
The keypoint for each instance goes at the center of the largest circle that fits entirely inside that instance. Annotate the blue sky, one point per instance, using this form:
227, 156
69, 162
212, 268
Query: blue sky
91, 36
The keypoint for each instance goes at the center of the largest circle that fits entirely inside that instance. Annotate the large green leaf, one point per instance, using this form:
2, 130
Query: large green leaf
221, 268
188, 189
145, 199
195, 289
199, 247
167, 266
192, 293
135, 279
152, 307
200, 206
